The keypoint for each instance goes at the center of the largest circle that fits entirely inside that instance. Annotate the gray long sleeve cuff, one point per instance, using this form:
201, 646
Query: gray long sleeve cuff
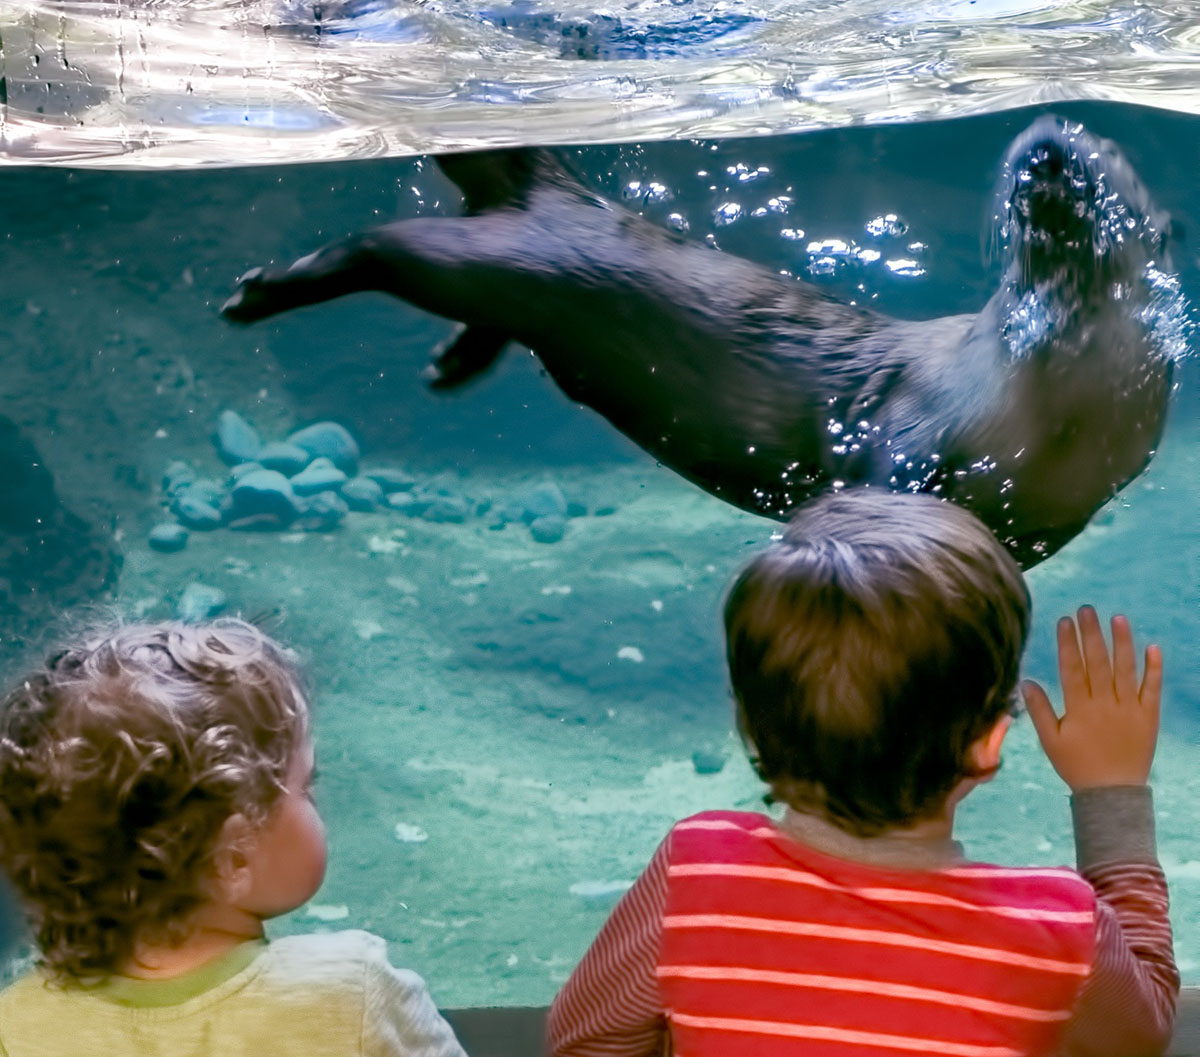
1114, 824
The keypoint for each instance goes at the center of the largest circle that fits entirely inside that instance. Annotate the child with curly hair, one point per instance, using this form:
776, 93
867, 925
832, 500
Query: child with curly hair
155, 809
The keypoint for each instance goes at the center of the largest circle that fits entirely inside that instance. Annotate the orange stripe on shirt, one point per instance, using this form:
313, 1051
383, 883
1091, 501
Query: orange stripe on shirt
871, 987
790, 875
880, 936
853, 1038
1061, 873
724, 824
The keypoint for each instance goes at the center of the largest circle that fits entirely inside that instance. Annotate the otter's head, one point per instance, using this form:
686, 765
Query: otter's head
1070, 209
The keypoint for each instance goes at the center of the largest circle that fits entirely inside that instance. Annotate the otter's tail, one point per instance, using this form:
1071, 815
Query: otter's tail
494, 179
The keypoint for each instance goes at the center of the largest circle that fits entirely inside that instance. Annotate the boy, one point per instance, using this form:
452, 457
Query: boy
874, 656
155, 809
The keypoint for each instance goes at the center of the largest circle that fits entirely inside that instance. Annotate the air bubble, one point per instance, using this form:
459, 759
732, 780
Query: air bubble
727, 213
830, 247
906, 267
887, 226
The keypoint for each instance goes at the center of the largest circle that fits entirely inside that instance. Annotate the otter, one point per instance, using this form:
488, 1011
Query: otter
765, 390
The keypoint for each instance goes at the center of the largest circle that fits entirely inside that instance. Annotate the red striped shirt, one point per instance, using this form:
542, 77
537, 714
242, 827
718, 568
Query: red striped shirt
767, 942
740, 941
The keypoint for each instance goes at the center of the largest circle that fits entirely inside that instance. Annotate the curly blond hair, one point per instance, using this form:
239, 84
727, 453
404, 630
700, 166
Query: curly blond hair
120, 761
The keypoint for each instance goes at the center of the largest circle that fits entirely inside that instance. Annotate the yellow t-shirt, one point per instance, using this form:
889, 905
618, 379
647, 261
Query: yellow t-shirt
320, 995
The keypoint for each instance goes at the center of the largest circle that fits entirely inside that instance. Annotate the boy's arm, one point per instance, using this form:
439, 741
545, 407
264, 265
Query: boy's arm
1127, 1005
610, 1006
1102, 747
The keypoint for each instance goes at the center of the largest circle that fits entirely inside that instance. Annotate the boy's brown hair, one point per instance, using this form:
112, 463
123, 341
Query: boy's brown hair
868, 649
120, 761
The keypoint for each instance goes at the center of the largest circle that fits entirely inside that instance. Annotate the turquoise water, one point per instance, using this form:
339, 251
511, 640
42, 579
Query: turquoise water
506, 727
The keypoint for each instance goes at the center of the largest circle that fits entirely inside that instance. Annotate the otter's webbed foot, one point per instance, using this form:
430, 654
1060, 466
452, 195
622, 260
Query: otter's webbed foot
252, 300
471, 354
333, 271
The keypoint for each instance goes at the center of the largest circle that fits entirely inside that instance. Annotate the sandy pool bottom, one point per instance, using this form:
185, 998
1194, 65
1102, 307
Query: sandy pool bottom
507, 728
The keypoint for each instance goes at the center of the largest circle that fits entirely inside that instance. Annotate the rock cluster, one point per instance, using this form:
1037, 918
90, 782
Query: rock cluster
311, 480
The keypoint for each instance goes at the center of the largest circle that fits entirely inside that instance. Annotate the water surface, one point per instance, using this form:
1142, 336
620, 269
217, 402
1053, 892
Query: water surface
143, 83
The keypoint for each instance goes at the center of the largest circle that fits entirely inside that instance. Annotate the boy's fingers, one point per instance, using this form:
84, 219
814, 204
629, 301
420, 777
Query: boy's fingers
1151, 693
1095, 650
1041, 712
1124, 659
1070, 663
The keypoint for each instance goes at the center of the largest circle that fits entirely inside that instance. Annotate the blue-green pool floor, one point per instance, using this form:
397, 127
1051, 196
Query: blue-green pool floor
527, 713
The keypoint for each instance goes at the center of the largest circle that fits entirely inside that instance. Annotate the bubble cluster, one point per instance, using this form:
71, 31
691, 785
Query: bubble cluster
1029, 322
744, 174
831, 256
1167, 314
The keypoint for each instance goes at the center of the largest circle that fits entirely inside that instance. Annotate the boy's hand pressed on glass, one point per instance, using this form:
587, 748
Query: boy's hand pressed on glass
1109, 726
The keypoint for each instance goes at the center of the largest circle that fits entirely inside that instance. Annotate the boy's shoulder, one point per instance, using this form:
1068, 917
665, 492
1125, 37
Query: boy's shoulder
351, 958
321, 960
1042, 886
737, 824
749, 835
716, 821
346, 966
720, 829
329, 949
314, 993
317, 959
13, 989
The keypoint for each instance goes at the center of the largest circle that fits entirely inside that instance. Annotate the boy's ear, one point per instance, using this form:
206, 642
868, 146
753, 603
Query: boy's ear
232, 875
985, 750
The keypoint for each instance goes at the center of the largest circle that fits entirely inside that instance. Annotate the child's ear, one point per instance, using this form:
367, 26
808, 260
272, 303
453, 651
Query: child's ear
985, 750
232, 875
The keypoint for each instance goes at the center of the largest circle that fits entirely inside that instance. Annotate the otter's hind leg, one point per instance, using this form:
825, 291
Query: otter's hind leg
443, 265
471, 354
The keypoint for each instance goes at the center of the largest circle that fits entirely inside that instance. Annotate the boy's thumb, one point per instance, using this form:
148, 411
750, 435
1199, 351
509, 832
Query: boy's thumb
1041, 712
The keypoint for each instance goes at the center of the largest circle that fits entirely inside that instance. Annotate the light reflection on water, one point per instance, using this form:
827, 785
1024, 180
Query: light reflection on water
149, 84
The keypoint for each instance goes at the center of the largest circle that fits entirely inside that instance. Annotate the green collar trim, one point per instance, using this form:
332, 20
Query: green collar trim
150, 994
